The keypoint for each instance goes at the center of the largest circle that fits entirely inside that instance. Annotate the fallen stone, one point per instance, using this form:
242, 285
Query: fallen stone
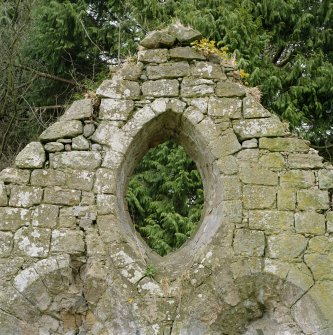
62, 129
158, 39
185, 35
79, 110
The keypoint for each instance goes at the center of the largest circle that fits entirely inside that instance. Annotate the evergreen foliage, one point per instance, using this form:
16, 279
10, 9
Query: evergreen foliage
165, 197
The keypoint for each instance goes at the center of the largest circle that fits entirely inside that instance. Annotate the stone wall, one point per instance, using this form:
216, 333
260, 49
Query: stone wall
261, 261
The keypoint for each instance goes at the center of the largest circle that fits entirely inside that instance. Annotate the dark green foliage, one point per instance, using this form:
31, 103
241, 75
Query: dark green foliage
165, 197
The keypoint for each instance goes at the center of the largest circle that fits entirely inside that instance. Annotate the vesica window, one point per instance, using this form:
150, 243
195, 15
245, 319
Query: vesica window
165, 197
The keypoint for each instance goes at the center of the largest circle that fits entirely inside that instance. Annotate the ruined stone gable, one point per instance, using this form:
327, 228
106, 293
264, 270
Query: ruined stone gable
261, 261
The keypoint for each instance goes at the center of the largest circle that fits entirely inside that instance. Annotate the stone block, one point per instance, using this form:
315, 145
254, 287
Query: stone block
232, 211
286, 245
321, 266
3, 195
115, 109
297, 179
286, 199
249, 242
119, 89
32, 241
108, 228
168, 70
59, 196
312, 200
186, 53
80, 180
305, 161
153, 56
6, 243
321, 245
271, 221
45, 216
31, 157
106, 204
259, 197
229, 89
225, 145
184, 35
25, 196
265, 127
250, 144
161, 88
252, 109
76, 160
272, 160
162, 105
325, 179
62, 129
194, 88
67, 241
67, 218
287, 144
80, 143
130, 71
88, 130
232, 188
13, 218
227, 165
79, 110
95, 245
15, 176
158, 39
257, 176
310, 223
105, 181
48, 177
88, 199
207, 70
248, 156
199, 103
194, 115
329, 222
54, 147
225, 108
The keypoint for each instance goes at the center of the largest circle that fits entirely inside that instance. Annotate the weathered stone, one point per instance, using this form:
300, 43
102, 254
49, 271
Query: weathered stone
67, 241
67, 218
105, 181
196, 87
297, 179
131, 71
272, 221
252, 109
265, 127
54, 147
168, 70
288, 144
153, 56
161, 88
227, 165
225, 145
312, 200
325, 179
207, 70
79, 110
15, 176
61, 129
32, 156
304, 161
45, 216
286, 199
232, 188
108, 228
119, 89
329, 223
48, 177
310, 223
106, 204
286, 245
320, 265
248, 156
13, 218
320, 245
158, 39
229, 89
25, 196
259, 197
80, 143
79, 160
80, 180
115, 109
65, 141
193, 114
162, 105
6, 243
226, 108
273, 160
184, 35
59, 196
3, 195
88, 199
95, 245
257, 176
250, 144
33, 242
249, 242
186, 53
88, 129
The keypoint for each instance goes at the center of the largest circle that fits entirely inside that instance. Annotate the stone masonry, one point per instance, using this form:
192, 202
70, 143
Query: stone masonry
261, 261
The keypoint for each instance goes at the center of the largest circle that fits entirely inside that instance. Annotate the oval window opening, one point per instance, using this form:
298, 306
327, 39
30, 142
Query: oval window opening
165, 197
